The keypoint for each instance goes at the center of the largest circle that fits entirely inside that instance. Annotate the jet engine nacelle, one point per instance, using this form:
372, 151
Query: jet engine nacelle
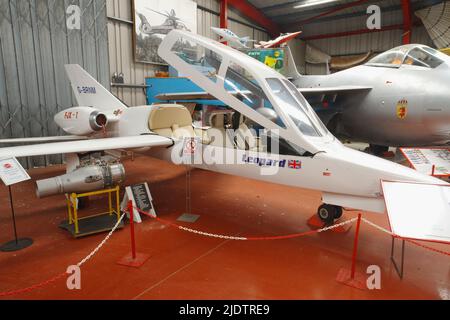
84, 179
81, 120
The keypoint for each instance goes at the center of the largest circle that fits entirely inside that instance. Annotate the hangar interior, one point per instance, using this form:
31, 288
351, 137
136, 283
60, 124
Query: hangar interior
204, 256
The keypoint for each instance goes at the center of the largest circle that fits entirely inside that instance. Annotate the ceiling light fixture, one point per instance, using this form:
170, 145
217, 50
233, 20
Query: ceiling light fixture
310, 3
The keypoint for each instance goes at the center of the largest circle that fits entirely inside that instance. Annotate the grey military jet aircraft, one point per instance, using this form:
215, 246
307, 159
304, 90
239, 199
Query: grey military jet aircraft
399, 98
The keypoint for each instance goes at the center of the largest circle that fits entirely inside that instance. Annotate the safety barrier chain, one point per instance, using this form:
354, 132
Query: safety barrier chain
212, 235
61, 275
93, 252
227, 237
406, 239
296, 235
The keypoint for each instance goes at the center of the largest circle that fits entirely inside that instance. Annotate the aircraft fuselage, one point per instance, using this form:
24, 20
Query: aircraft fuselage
409, 106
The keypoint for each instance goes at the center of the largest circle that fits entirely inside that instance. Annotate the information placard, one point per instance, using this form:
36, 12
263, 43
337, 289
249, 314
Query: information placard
12, 172
141, 198
423, 160
418, 211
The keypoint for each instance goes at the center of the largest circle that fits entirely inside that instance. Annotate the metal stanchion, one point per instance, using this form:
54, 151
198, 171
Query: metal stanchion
16, 244
351, 277
133, 259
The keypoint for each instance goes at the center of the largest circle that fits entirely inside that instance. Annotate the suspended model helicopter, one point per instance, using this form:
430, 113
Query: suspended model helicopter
307, 155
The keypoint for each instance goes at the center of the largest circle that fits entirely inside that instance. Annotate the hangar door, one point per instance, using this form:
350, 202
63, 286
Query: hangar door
37, 37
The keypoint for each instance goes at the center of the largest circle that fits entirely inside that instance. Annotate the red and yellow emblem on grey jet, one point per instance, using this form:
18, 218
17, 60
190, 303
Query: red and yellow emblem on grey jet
402, 109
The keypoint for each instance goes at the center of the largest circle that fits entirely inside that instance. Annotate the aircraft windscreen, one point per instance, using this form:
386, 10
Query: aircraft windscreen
293, 107
413, 55
309, 110
423, 57
238, 79
392, 57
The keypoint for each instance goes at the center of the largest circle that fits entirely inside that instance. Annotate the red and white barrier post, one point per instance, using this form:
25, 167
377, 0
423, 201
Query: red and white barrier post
355, 246
132, 238
351, 277
133, 259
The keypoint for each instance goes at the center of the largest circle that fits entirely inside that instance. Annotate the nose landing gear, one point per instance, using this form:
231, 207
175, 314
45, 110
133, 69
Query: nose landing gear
328, 213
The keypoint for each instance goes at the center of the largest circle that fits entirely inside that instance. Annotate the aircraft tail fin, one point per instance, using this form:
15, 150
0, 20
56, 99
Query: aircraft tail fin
291, 71
88, 92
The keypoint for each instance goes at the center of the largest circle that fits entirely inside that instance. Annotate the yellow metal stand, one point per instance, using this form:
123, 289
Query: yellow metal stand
72, 207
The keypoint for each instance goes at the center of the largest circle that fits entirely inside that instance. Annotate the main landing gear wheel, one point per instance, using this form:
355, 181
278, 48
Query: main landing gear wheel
328, 213
378, 150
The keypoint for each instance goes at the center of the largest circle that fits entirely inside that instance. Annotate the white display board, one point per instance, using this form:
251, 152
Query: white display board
141, 198
418, 211
12, 172
423, 159
154, 19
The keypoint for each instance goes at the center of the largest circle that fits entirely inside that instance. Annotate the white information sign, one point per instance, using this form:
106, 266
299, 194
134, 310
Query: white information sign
11, 171
418, 211
141, 198
192, 151
423, 160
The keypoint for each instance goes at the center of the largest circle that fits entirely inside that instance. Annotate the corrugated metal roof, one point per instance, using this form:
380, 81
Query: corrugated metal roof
283, 12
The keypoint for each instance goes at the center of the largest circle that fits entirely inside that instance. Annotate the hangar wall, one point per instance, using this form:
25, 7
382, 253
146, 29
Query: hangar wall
120, 31
35, 43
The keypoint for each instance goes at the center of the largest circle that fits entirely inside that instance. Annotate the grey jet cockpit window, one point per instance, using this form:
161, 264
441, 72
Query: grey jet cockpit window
413, 55
391, 58
422, 58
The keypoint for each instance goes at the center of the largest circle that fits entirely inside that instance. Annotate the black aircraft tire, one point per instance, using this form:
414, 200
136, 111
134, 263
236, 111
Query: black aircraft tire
327, 213
339, 212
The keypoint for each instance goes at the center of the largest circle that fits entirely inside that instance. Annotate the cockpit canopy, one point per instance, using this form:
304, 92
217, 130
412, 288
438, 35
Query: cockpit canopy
249, 87
412, 54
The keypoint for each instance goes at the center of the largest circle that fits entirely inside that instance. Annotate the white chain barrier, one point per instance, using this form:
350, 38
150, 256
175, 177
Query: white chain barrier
93, 252
64, 274
378, 227
228, 237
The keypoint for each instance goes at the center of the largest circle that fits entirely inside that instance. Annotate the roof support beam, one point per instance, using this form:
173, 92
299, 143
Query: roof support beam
357, 32
223, 17
224, 14
255, 15
407, 22
352, 33
326, 13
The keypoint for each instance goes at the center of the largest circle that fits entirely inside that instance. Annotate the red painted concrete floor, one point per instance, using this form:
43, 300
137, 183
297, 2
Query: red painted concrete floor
189, 266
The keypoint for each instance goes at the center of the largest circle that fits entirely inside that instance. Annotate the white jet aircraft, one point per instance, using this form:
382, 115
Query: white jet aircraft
232, 38
283, 39
257, 97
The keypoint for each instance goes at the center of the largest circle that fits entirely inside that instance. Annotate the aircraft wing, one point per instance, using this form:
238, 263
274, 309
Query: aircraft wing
81, 146
41, 139
333, 90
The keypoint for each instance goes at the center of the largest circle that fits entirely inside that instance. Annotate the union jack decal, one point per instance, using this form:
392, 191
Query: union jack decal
295, 164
